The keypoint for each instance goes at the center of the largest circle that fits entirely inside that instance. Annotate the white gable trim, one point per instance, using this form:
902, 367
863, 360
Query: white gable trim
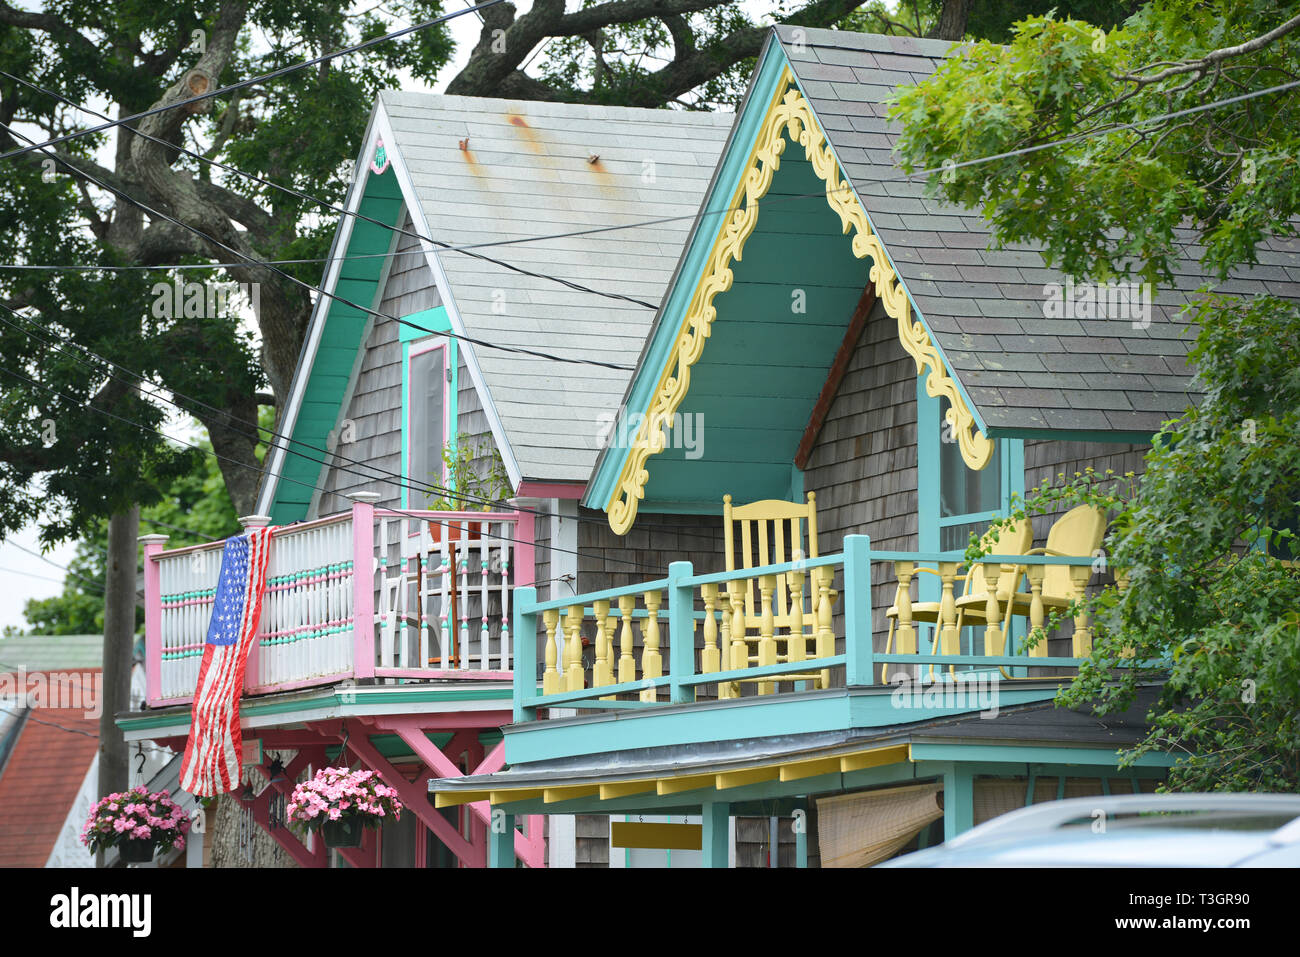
379, 126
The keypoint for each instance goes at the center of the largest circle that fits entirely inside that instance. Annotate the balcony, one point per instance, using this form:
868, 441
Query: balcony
432, 601
670, 662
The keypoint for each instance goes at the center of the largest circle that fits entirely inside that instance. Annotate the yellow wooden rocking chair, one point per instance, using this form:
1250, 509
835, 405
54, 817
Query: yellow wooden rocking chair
769, 622
974, 594
1078, 533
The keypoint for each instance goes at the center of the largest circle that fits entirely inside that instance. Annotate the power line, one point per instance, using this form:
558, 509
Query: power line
423, 517
382, 475
242, 84
578, 287
295, 280
94, 585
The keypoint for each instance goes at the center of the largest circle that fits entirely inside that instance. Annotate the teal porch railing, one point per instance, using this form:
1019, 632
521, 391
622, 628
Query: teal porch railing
771, 626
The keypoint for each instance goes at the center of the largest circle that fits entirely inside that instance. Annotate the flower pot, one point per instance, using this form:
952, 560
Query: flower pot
135, 850
345, 832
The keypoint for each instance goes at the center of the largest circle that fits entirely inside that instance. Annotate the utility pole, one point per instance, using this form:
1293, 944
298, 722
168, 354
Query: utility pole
119, 642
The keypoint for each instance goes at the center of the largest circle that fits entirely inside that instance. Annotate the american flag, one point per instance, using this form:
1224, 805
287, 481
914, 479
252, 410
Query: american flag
214, 750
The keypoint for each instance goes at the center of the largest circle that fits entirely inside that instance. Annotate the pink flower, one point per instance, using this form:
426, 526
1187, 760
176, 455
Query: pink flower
141, 832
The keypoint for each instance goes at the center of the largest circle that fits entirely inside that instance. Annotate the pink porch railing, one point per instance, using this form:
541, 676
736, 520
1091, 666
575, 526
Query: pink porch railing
435, 602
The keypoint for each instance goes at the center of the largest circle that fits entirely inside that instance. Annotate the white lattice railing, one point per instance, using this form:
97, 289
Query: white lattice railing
444, 593
437, 601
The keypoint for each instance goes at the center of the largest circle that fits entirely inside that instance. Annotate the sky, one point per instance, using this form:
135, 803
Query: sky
25, 576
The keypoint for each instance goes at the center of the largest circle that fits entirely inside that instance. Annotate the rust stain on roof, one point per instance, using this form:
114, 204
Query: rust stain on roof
529, 135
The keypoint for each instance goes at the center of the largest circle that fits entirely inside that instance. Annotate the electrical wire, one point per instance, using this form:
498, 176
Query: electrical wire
577, 287
423, 517
382, 475
252, 261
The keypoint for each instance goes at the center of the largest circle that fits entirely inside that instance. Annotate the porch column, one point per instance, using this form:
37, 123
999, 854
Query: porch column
501, 839
716, 843
801, 837
958, 801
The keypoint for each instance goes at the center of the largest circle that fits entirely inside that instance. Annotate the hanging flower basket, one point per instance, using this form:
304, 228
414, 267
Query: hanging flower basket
136, 850
340, 803
136, 822
345, 832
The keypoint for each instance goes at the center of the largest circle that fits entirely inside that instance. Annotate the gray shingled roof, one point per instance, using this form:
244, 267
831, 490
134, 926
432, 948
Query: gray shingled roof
527, 172
1022, 370
51, 652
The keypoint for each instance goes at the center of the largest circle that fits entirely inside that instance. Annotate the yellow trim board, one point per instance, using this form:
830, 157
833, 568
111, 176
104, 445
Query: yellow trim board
568, 792
807, 769
689, 782
788, 113
875, 759
624, 788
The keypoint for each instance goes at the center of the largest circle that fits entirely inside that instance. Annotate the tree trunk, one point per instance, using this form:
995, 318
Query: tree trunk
119, 640
952, 20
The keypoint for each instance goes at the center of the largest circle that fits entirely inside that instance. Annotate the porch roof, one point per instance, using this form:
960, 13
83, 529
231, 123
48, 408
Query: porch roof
1037, 733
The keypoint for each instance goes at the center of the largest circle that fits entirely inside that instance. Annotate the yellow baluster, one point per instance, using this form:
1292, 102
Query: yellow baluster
796, 647
602, 672
575, 677
1079, 575
652, 664
825, 621
711, 656
766, 630
992, 613
1036, 573
626, 663
739, 651
950, 639
906, 632
551, 675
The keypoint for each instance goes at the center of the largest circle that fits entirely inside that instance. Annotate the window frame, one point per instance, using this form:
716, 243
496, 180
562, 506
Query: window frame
412, 348
930, 524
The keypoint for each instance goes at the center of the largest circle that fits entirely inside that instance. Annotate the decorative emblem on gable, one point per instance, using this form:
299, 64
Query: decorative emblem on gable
790, 115
380, 162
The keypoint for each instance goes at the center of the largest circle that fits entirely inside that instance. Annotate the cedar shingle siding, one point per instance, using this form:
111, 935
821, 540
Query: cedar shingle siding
863, 464
375, 408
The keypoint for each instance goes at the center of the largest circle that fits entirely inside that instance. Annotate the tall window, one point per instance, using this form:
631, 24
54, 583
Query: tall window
953, 499
965, 492
427, 424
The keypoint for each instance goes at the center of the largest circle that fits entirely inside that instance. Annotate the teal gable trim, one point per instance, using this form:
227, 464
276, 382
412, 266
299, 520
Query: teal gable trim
342, 335
1134, 438
436, 321
663, 338
673, 312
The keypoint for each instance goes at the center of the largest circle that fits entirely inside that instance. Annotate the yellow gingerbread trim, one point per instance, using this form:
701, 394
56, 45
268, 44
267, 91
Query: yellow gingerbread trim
789, 114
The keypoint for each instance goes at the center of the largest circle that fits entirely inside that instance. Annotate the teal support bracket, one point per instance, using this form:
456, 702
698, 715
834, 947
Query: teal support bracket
681, 631
717, 837
501, 839
958, 801
525, 663
860, 666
